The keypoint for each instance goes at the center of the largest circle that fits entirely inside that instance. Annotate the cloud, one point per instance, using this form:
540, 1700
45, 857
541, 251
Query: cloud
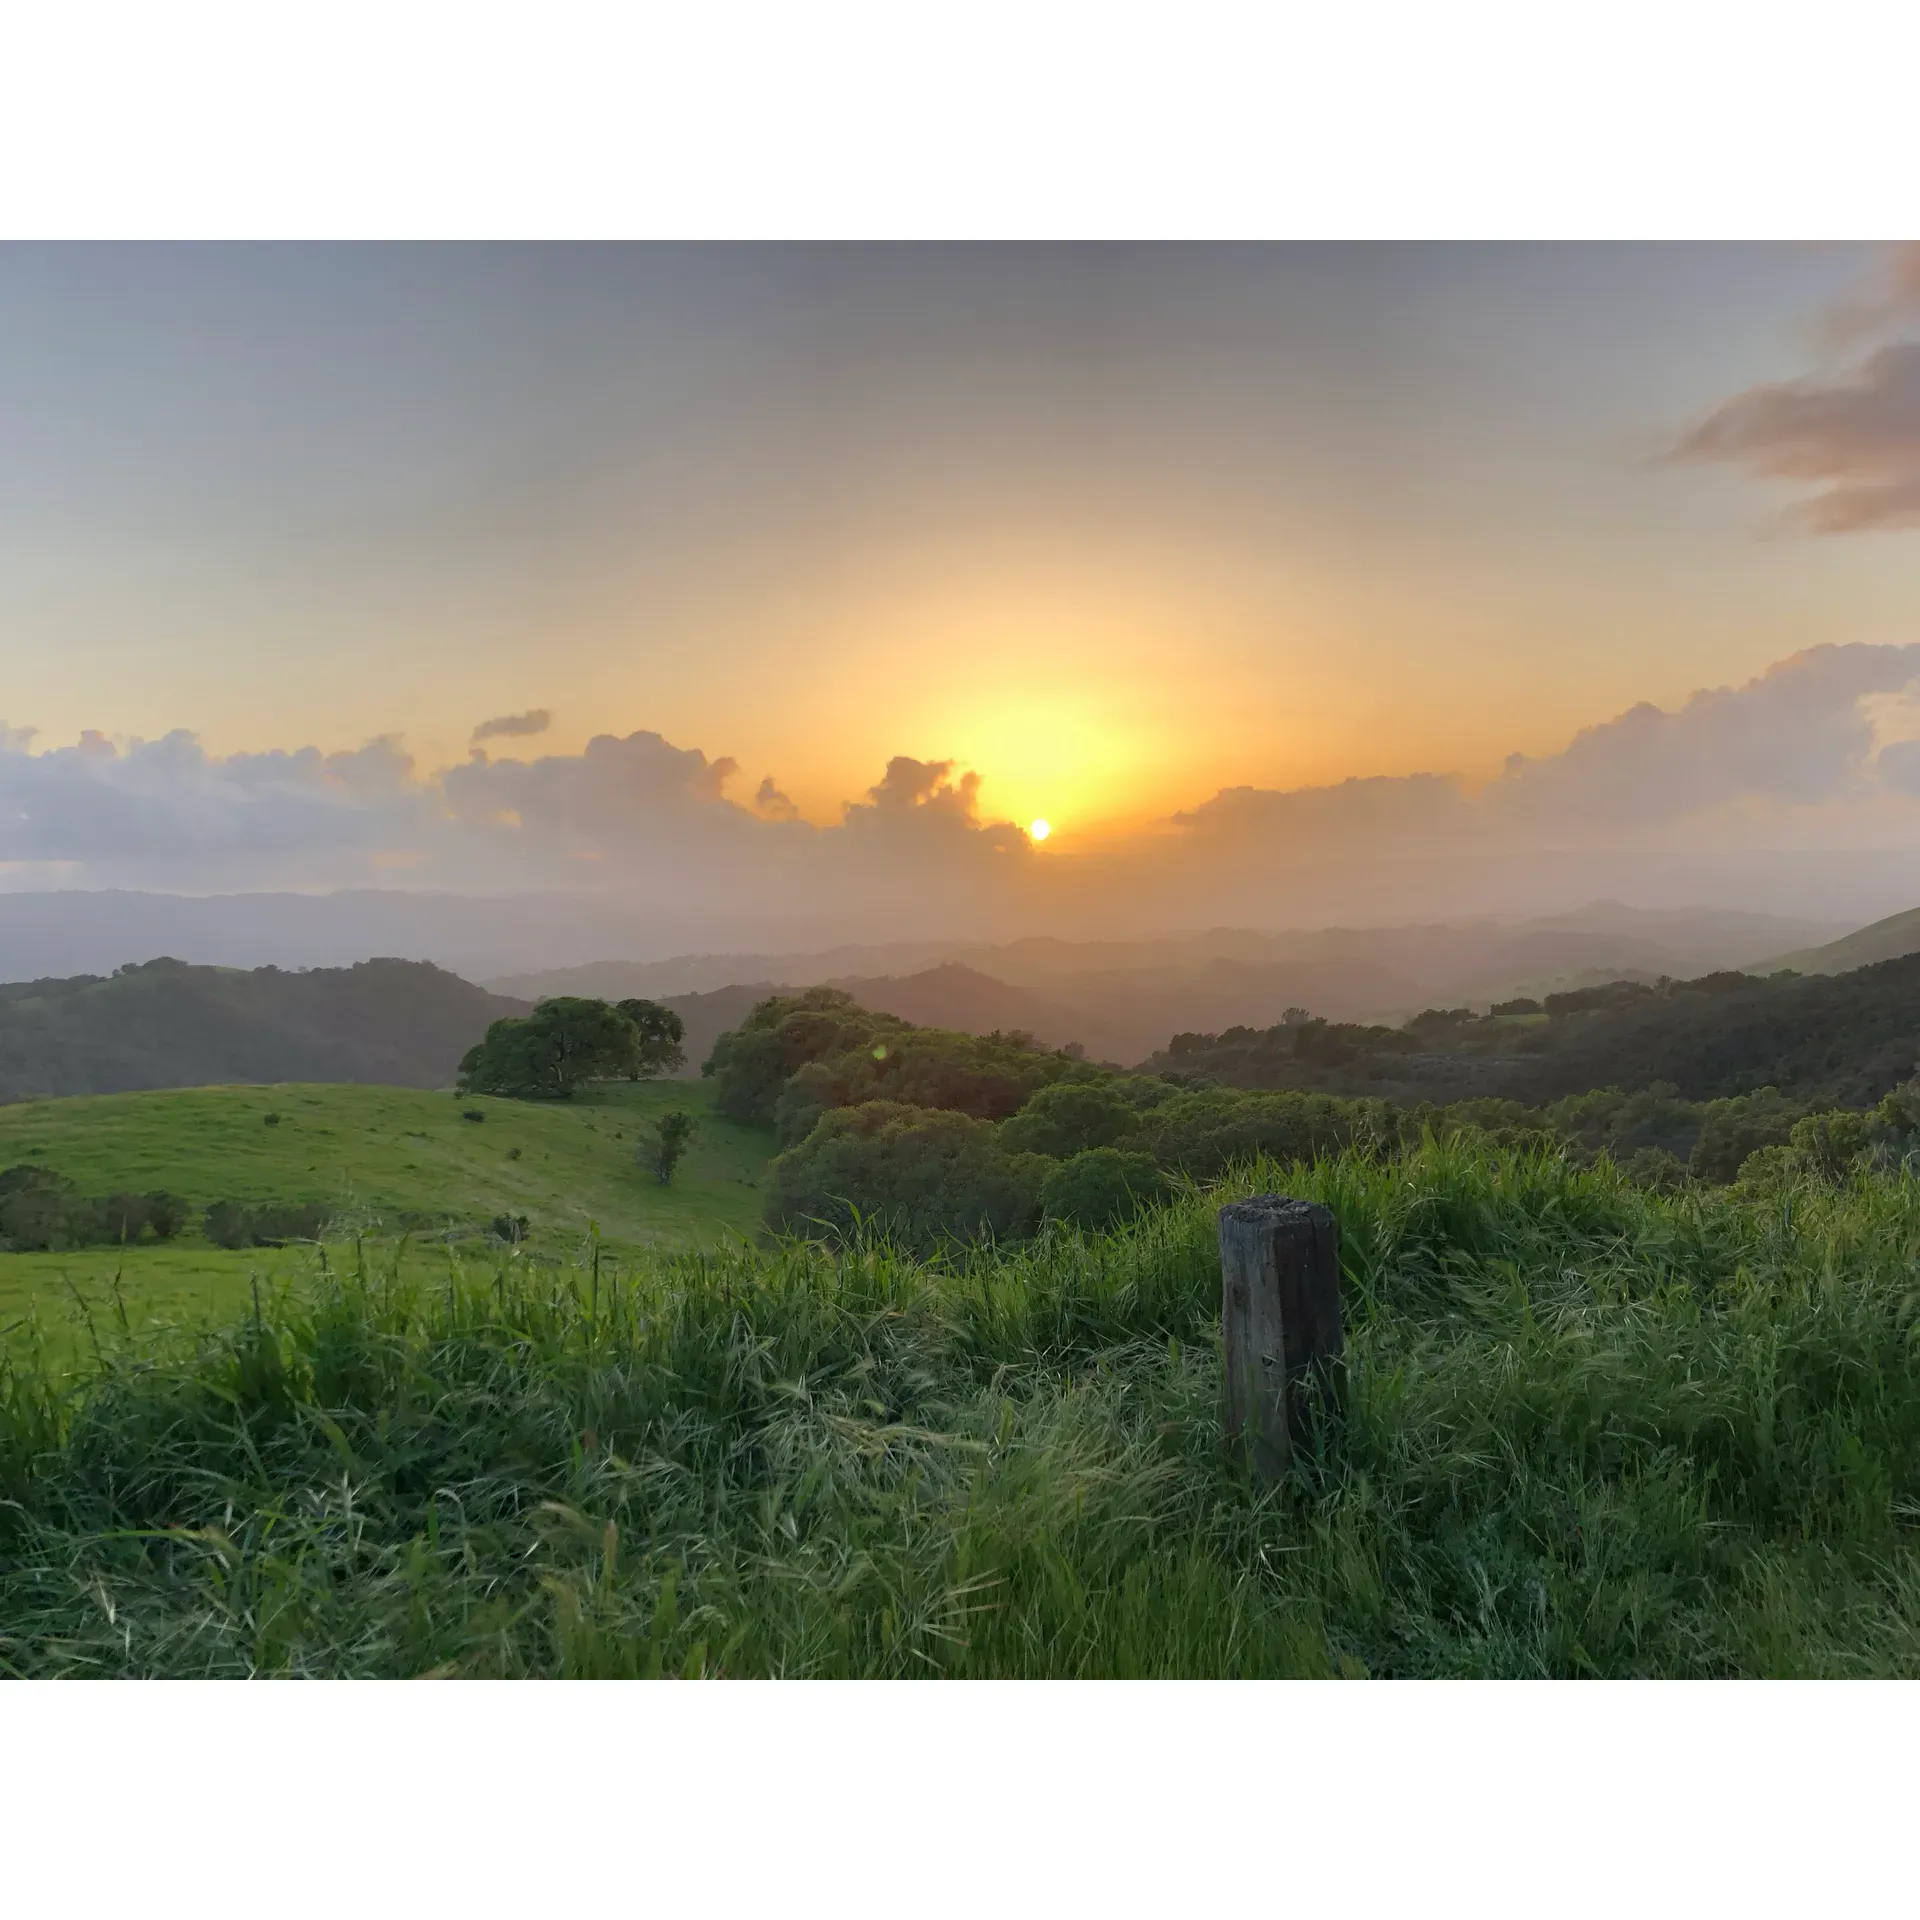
1797, 742
914, 786
1852, 433
1411, 809
514, 726
1890, 299
1798, 735
771, 804
1819, 744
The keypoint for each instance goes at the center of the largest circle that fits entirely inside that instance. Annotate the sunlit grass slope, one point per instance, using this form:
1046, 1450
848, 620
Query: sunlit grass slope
387, 1157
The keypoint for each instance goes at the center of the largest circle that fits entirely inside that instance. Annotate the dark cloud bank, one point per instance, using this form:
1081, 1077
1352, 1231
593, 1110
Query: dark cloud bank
1799, 791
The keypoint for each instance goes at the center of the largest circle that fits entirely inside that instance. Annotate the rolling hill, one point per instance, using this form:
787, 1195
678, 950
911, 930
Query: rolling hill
1123, 999
168, 1024
1823, 1040
1889, 939
391, 1160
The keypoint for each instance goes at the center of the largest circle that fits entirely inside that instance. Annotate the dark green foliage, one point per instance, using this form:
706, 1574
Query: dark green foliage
41, 1211
1506, 1122
1203, 1134
1656, 1167
510, 1227
270, 1119
556, 1049
1507, 1008
1440, 1019
1294, 1052
1615, 995
1829, 1040
38, 1209
475, 1114
925, 1179
126, 1217
1829, 1146
794, 1059
1070, 1116
754, 1062
661, 1031
1730, 1130
1622, 1124
272, 1223
1102, 1187
167, 1024
666, 1147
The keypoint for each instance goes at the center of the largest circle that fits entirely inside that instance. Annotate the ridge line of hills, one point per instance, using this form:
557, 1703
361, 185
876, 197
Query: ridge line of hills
1217, 1006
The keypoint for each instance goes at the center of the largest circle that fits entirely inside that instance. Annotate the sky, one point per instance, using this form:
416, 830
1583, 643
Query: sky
822, 572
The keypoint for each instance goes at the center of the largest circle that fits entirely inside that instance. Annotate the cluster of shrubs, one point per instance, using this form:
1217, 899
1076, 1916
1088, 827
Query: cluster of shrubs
264, 1223
936, 1137
42, 1211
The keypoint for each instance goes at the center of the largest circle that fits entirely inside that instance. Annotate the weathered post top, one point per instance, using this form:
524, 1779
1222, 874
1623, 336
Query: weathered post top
1280, 1318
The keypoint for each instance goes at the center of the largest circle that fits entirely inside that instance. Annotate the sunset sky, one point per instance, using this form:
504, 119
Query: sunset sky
1111, 528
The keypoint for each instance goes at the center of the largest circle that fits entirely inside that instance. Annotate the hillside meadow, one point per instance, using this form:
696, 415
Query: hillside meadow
385, 1160
1593, 1429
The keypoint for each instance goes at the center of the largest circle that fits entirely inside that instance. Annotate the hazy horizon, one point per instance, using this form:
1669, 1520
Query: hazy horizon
771, 595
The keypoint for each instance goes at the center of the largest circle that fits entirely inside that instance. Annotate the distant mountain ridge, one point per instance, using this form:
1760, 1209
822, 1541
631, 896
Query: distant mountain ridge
1122, 1000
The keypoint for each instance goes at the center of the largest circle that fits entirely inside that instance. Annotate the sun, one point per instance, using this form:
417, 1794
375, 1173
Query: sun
1039, 830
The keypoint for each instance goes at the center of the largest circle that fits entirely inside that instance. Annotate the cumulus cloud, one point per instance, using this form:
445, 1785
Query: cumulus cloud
913, 786
1798, 735
167, 808
771, 804
514, 726
1820, 744
1798, 743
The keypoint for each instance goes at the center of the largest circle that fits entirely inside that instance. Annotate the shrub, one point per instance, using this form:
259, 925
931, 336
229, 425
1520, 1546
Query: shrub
473, 1113
1655, 1167
1732, 1130
1202, 1134
271, 1223
1069, 1117
925, 1178
1830, 1145
1102, 1187
663, 1148
42, 1211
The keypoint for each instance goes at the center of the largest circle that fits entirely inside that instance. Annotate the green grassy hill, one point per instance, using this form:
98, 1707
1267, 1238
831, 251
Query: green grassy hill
389, 1157
1890, 939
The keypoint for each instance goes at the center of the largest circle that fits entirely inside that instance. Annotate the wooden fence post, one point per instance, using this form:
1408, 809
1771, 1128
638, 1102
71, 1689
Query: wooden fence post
1280, 1313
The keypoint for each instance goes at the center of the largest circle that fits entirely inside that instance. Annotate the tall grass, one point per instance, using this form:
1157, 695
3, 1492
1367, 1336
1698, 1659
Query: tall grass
1591, 1430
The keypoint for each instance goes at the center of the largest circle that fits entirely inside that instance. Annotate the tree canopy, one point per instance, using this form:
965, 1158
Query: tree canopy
559, 1046
661, 1031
